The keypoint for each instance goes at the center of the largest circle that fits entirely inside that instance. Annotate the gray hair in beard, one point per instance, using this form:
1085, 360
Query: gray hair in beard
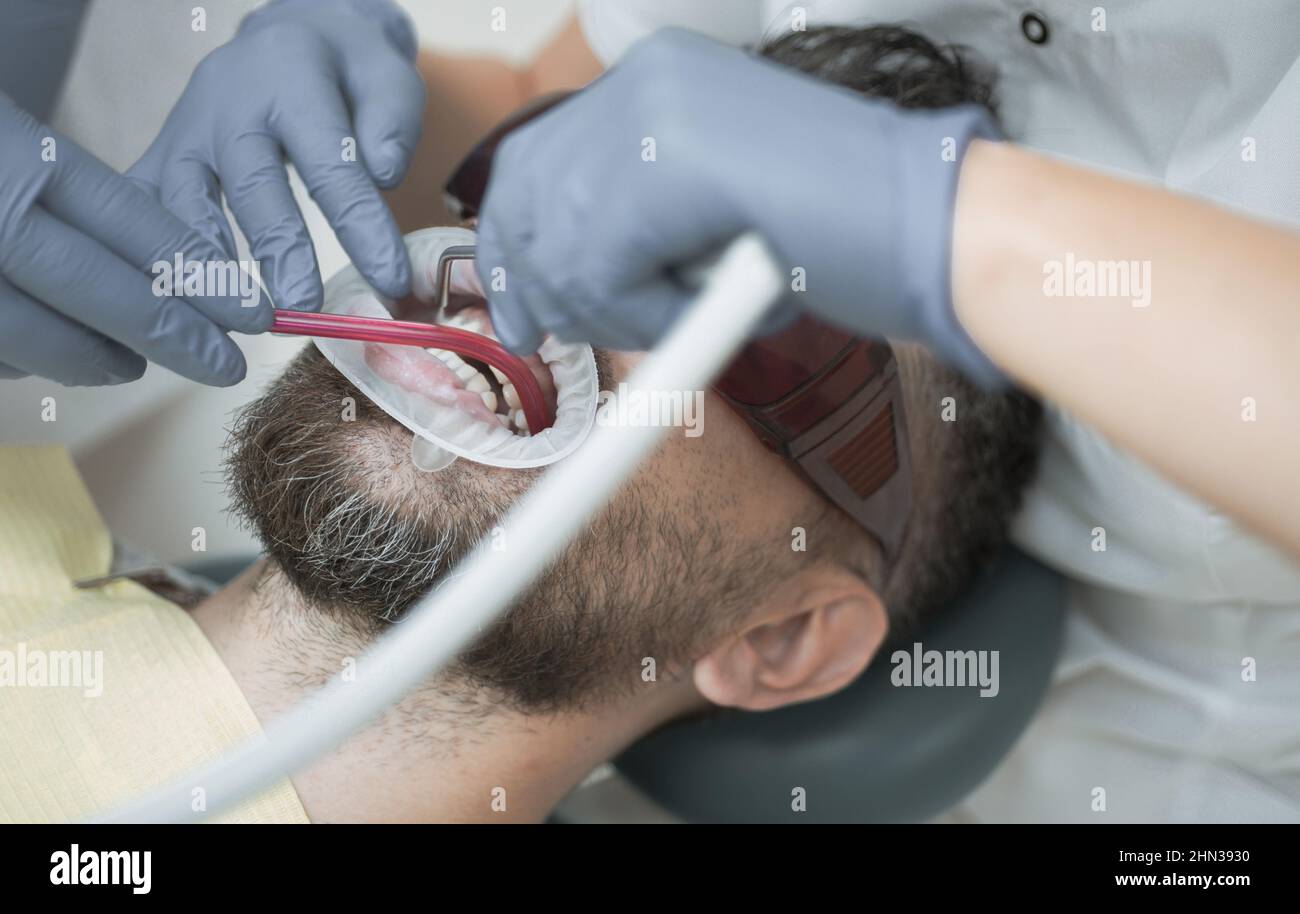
360, 535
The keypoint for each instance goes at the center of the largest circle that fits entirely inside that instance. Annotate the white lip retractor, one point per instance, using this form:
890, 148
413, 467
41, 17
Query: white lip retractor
415, 385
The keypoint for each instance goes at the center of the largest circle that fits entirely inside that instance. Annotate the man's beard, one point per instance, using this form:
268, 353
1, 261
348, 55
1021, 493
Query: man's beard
361, 534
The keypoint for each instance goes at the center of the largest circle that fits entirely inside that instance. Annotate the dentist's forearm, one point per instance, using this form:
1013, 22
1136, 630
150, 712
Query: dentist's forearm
1203, 382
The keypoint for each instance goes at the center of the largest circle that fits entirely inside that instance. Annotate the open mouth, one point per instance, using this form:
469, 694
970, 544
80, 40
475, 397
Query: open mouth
449, 379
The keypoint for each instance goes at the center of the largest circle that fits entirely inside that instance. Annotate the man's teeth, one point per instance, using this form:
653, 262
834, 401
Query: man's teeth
463, 321
511, 394
511, 416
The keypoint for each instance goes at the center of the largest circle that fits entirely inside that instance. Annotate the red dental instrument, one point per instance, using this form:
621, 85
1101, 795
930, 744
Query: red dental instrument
427, 336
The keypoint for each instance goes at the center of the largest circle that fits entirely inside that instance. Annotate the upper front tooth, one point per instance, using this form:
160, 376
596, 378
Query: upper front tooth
449, 358
500, 375
465, 322
478, 383
512, 395
466, 372
489, 400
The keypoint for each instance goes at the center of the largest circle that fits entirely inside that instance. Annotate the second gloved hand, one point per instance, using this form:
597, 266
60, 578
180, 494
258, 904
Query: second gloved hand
594, 209
331, 84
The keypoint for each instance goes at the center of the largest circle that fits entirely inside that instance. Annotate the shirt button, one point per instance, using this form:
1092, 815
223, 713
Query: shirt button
1035, 28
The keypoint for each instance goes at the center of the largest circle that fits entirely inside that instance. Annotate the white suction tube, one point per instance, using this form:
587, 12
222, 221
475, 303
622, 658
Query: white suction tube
734, 297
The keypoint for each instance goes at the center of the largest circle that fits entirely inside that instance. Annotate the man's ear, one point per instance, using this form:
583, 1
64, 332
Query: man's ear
813, 636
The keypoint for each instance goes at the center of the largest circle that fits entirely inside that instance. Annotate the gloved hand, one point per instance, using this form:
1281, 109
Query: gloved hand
78, 243
331, 83
686, 144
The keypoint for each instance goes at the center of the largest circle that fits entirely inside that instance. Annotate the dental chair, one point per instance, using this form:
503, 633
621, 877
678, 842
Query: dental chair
873, 752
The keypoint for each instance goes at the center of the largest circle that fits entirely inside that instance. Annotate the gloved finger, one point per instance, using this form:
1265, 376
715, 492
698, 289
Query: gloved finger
505, 287
386, 95
399, 31
201, 212
257, 188
632, 323
191, 190
645, 261
513, 322
502, 254
55, 264
127, 220
644, 313
316, 142
40, 341
222, 279
524, 334
563, 297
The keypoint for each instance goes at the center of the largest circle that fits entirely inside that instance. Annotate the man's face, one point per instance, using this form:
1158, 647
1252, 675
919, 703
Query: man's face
685, 550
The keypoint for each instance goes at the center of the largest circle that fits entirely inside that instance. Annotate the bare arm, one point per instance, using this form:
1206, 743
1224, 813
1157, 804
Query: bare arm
1203, 382
467, 96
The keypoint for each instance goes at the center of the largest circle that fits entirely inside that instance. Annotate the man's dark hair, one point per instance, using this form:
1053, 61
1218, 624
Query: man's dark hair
888, 62
980, 463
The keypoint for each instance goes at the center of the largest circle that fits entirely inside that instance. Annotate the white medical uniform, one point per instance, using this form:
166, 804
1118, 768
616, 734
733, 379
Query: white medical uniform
1149, 702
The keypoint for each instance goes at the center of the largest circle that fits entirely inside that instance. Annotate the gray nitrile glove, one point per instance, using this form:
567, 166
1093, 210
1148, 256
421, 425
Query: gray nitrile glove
332, 85
79, 302
593, 209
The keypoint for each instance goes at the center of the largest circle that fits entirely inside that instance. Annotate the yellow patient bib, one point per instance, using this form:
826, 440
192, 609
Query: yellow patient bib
104, 693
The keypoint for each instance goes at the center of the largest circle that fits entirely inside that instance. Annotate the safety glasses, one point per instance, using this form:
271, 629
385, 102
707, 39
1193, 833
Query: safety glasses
830, 402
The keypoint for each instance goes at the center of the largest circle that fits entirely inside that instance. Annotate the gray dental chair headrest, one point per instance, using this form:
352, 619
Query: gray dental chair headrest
874, 752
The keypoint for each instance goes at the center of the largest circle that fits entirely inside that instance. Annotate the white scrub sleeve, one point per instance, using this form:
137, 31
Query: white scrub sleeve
611, 26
